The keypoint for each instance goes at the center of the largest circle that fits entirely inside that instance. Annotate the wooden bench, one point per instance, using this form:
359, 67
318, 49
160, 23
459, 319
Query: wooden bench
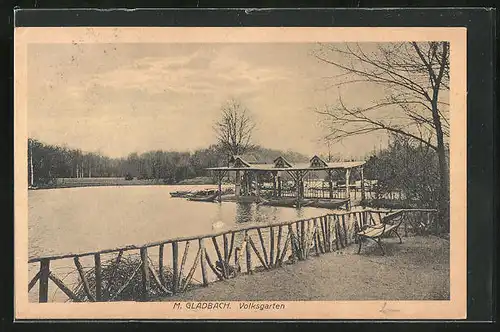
389, 224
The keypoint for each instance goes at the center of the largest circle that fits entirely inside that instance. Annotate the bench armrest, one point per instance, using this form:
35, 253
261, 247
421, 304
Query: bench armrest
396, 216
375, 226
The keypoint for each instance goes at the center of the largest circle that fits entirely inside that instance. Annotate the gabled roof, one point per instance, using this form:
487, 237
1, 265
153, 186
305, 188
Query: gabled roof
238, 162
317, 162
233, 158
294, 167
281, 162
250, 158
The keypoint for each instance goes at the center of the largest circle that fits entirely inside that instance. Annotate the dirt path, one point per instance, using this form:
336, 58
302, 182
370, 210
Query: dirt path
418, 269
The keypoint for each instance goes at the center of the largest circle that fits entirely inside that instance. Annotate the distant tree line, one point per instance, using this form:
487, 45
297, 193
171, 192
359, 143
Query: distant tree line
48, 162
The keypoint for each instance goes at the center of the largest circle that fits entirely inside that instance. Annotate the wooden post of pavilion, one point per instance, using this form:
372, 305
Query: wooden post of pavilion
244, 184
237, 184
249, 183
347, 189
274, 184
298, 184
279, 183
362, 184
299, 176
220, 175
330, 183
257, 184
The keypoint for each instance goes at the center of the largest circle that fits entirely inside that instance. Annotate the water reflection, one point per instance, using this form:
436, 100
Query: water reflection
266, 214
300, 213
243, 213
255, 213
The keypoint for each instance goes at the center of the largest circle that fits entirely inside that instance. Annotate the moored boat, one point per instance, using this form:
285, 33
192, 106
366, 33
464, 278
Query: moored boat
179, 193
204, 198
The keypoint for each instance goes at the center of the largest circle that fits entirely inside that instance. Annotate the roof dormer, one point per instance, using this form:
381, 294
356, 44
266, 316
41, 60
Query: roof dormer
317, 162
238, 162
281, 162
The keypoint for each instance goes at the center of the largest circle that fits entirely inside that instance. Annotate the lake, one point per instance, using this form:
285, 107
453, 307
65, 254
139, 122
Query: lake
93, 218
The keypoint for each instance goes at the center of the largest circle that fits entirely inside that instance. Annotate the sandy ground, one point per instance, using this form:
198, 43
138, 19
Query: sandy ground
418, 269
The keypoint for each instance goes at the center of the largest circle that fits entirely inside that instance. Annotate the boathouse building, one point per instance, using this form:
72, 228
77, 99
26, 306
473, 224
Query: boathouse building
250, 177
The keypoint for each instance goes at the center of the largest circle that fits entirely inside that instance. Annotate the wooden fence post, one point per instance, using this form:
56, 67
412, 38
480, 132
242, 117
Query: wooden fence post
44, 281
302, 240
248, 254
292, 242
323, 240
183, 262
328, 233
98, 277
357, 224
175, 266
160, 264
278, 245
145, 274
226, 247
203, 263
435, 220
231, 247
346, 234
219, 257
85, 282
271, 249
263, 245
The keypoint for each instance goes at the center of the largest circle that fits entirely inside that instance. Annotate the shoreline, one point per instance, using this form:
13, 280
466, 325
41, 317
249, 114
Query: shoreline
118, 182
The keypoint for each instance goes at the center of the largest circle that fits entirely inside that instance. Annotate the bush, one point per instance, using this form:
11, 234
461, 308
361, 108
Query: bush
129, 177
114, 277
407, 167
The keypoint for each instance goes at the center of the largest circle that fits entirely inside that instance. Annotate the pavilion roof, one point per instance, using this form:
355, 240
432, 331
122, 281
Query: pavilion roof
296, 167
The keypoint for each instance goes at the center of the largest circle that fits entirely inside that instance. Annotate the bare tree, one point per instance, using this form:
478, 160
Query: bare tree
234, 129
414, 79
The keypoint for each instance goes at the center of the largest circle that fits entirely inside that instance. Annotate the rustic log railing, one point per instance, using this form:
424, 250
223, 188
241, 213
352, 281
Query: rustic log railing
219, 256
323, 192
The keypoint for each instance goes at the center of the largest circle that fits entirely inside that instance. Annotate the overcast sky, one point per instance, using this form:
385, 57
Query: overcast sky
121, 98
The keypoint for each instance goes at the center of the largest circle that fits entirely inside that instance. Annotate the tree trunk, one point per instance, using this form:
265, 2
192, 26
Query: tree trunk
443, 202
31, 165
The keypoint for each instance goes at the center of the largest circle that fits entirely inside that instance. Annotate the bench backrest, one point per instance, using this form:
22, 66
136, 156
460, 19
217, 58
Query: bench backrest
393, 218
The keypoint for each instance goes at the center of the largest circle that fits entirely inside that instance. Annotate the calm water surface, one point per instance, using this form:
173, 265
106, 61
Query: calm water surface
77, 220
93, 218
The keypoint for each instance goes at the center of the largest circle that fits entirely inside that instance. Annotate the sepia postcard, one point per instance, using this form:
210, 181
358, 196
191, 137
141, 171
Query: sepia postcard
240, 173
